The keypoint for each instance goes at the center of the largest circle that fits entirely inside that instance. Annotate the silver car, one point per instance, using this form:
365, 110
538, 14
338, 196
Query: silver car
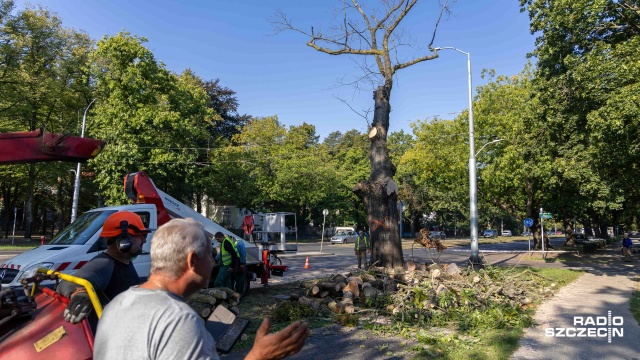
344, 237
440, 235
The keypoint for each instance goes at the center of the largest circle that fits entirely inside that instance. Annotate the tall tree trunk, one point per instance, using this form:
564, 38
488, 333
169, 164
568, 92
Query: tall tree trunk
569, 235
28, 205
379, 193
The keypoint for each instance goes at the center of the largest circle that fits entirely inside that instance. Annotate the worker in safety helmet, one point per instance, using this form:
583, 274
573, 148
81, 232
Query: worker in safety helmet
111, 272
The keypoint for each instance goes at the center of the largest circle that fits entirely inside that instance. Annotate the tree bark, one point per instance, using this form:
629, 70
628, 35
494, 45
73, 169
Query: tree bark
379, 193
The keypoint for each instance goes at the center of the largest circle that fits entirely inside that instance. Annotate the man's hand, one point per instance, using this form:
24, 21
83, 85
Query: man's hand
285, 342
79, 306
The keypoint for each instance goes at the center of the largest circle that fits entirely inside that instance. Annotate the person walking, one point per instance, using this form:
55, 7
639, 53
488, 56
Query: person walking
240, 277
110, 272
230, 261
362, 247
626, 247
152, 321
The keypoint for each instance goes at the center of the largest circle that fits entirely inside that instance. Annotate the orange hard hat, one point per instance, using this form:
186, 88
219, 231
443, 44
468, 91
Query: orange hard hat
113, 225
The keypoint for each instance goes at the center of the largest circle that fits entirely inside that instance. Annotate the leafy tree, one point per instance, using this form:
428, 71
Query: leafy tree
224, 102
44, 79
576, 38
435, 170
349, 159
288, 168
152, 119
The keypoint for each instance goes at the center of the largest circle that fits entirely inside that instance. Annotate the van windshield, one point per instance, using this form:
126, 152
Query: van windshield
81, 230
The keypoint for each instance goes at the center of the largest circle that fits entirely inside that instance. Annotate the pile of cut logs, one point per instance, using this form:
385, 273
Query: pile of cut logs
206, 300
422, 283
340, 292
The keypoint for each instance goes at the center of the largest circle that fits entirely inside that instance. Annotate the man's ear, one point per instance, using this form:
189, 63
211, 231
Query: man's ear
191, 260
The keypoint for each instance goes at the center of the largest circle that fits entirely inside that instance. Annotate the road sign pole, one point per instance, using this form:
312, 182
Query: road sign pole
528, 223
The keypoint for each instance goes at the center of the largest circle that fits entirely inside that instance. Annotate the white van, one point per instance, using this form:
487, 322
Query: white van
80, 242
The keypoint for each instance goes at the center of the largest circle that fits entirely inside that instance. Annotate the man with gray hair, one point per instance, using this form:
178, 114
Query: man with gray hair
152, 321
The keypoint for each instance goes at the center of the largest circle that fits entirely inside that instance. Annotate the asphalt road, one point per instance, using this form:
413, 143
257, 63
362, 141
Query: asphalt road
341, 258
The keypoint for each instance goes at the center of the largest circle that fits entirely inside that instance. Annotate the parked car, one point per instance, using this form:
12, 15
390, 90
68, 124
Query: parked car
490, 233
440, 235
506, 232
344, 237
527, 233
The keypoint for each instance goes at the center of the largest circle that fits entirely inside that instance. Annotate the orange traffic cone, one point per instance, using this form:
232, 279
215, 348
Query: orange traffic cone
306, 264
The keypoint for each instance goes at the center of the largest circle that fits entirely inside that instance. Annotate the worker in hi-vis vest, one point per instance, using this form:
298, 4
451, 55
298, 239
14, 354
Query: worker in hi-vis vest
230, 261
362, 247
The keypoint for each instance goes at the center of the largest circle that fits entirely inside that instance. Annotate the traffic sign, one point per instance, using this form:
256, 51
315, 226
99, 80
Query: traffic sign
528, 222
545, 215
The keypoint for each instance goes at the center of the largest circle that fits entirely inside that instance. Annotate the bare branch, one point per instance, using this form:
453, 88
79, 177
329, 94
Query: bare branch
445, 8
365, 116
372, 32
414, 61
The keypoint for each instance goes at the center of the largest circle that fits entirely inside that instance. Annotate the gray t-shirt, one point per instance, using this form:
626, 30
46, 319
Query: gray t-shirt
151, 324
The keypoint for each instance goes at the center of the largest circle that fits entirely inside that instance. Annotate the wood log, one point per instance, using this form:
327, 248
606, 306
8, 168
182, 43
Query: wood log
231, 293
342, 285
411, 266
203, 309
349, 309
347, 295
309, 302
339, 278
378, 284
356, 279
329, 286
367, 277
345, 302
308, 284
323, 294
314, 291
204, 298
217, 293
333, 306
352, 287
366, 284
370, 293
294, 297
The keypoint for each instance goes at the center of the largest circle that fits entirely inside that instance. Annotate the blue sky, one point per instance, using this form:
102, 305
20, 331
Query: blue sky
279, 75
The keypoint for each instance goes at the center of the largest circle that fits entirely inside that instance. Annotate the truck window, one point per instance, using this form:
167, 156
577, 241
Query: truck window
81, 230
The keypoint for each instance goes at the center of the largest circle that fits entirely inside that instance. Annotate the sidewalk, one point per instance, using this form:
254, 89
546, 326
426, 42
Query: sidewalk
606, 287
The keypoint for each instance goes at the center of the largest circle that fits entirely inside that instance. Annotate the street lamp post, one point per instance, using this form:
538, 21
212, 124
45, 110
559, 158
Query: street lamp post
76, 187
325, 212
473, 187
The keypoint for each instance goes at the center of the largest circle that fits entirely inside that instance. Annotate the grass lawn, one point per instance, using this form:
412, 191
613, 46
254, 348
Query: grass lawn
20, 243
